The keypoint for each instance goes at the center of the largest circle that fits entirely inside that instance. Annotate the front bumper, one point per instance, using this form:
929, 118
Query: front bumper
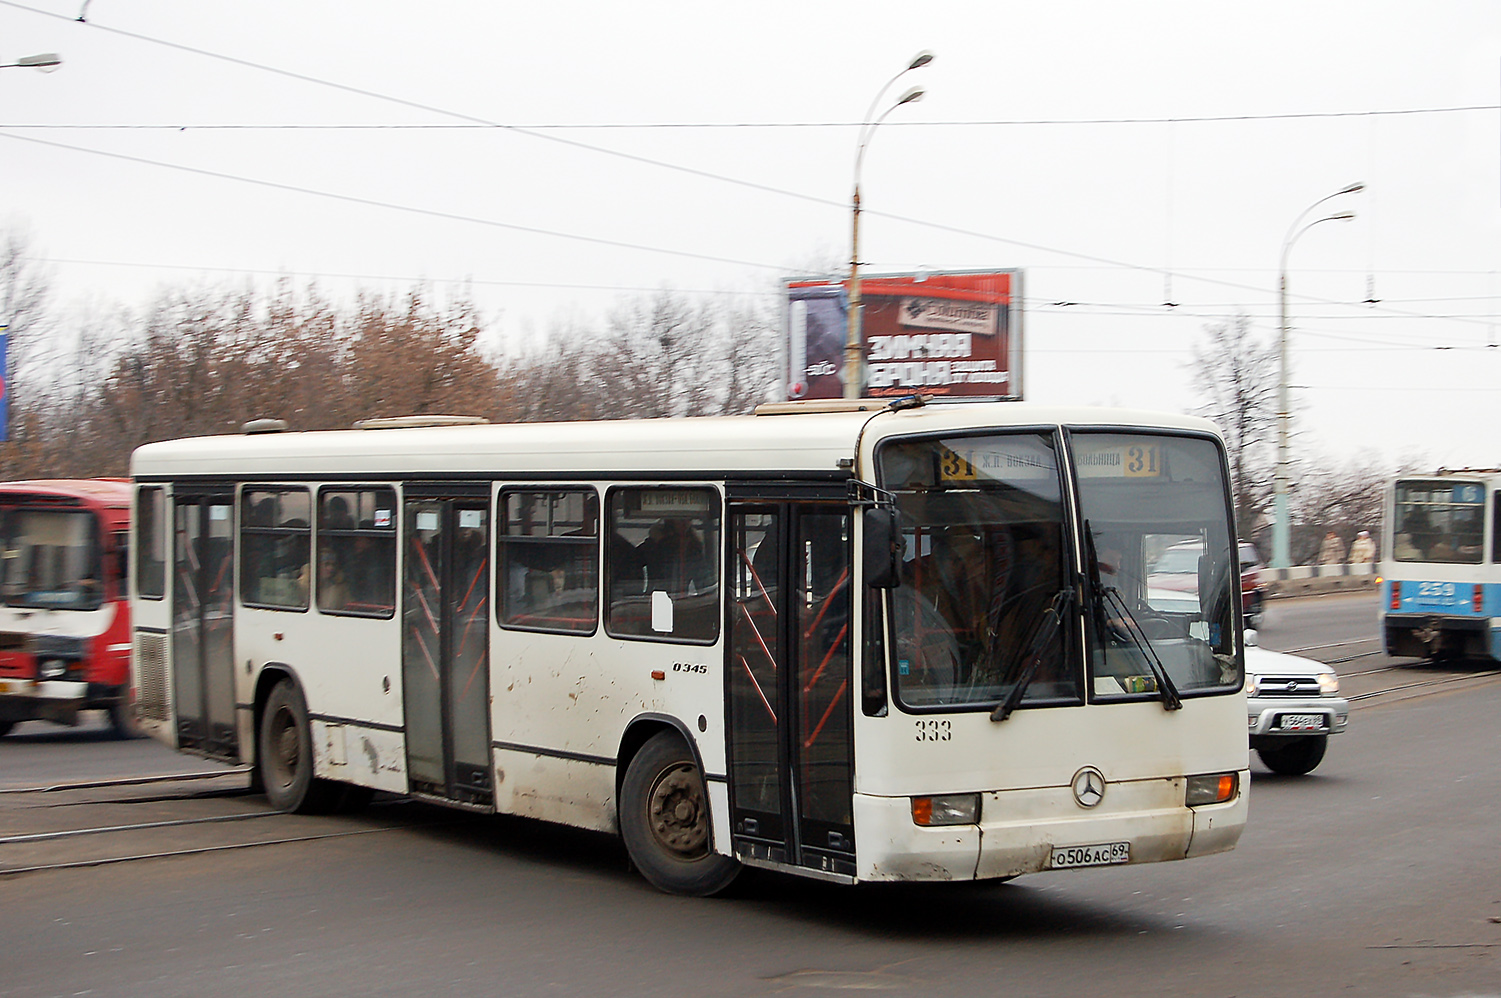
1265, 715
48, 699
1019, 829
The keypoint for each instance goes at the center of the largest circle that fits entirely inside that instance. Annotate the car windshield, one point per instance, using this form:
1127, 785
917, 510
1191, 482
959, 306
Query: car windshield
1159, 538
984, 558
1439, 522
51, 559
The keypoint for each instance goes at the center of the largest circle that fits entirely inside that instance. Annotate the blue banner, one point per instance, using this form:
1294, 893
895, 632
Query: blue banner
4, 385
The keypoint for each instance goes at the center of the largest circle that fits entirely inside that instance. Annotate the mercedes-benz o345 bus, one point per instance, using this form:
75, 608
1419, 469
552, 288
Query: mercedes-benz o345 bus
856, 641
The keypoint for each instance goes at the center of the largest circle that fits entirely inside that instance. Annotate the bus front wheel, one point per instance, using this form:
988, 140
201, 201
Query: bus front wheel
664, 820
284, 756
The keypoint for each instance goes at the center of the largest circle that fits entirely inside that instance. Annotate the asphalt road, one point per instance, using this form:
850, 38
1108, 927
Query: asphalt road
1375, 875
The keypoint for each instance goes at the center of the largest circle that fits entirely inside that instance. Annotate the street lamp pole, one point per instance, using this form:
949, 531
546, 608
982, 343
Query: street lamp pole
854, 355
1282, 522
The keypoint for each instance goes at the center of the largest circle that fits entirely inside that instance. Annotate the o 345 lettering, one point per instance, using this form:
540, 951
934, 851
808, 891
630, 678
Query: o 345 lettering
698, 667
933, 731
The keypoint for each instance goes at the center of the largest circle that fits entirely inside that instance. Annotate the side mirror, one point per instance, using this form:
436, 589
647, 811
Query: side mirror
883, 548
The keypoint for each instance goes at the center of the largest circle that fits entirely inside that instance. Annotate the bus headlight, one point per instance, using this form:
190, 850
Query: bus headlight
1216, 788
52, 668
946, 809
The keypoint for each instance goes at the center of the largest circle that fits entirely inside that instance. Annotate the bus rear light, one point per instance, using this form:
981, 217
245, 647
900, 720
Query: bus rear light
1396, 595
948, 809
1216, 788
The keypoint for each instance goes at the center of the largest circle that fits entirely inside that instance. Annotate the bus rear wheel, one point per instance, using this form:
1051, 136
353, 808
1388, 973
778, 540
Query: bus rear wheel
1297, 757
664, 820
284, 756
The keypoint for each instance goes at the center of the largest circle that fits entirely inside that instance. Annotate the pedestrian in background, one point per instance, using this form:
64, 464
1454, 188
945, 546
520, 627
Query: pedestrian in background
1363, 550
1332, 551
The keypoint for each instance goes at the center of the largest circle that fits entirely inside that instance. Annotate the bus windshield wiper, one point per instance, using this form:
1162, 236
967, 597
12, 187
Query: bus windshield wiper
1165, 686
1042, 631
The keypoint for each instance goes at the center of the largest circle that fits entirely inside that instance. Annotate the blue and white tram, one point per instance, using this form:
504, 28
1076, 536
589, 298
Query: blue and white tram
1441, 565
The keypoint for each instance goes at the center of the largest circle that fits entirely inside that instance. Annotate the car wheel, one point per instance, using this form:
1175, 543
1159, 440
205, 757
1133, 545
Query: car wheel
1297, 757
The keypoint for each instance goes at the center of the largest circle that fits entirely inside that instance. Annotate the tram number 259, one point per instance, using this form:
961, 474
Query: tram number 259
934, 731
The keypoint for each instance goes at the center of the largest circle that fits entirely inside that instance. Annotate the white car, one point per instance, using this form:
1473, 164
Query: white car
1294, 706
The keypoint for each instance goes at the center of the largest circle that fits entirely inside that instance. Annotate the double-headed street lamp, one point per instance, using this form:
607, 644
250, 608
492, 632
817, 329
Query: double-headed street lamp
44, 61
854, 354
1282, 523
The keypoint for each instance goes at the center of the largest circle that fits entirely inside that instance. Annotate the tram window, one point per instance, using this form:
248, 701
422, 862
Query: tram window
357, 551
151, 543
548, 565
275, 539
662, 564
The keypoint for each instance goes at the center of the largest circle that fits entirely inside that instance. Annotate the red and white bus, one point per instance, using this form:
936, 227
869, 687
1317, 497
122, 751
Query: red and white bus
64, 606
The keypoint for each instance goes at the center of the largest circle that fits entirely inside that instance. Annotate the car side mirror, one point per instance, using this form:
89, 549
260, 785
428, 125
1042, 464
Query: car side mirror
883, 548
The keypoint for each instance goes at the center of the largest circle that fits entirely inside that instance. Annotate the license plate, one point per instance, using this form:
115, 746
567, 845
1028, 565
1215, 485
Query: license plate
1302, 722
1104, 854
21, 687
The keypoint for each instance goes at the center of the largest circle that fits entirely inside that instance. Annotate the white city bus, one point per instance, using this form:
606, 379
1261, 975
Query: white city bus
853, 641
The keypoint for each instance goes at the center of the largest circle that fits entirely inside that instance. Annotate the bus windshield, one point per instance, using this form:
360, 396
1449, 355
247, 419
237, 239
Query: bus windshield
1160, 567
1439, 522
982, 521
988, 598
51, 559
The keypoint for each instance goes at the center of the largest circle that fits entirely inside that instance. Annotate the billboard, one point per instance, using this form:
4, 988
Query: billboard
952, 333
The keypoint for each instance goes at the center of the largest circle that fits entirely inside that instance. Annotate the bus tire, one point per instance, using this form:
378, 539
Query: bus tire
664, 820
1297, 757
284, 755
5, 727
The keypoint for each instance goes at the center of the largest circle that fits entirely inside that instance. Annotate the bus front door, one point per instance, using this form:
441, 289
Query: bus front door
445, 646
789, 684
203, 681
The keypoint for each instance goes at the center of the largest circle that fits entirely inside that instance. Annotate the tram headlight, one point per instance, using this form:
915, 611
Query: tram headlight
946, 809
1216, 788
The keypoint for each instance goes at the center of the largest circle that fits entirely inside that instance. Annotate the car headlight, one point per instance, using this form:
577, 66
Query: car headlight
1328, 683
1252, 681
947, 809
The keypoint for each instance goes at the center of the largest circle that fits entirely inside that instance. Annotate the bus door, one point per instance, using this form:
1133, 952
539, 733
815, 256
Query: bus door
789, 686
203, 589
445, 642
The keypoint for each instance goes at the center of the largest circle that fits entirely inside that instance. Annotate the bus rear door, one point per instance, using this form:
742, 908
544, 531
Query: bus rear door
445, 642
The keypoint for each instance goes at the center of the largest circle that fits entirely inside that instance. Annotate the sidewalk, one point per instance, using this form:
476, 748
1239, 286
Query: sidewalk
1309, 580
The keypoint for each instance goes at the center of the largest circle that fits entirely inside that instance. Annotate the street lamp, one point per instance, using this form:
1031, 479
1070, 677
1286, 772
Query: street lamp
1282, 523
854, 359
45, 61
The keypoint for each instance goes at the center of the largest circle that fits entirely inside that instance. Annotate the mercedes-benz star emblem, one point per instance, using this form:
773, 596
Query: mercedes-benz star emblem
1089, 786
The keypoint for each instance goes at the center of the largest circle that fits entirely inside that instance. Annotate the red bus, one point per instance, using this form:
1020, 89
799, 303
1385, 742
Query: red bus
64, 604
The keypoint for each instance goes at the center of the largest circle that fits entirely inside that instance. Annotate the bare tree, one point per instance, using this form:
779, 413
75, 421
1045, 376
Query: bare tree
1237, 377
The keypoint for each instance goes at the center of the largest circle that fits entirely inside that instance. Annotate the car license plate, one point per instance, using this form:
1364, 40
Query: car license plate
19, 687
1105, 854
1302, 722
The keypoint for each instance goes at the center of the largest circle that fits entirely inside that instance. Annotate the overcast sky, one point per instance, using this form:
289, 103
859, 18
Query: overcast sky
1122, 155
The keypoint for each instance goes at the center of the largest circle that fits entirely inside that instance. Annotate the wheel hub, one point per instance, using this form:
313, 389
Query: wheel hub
676, 812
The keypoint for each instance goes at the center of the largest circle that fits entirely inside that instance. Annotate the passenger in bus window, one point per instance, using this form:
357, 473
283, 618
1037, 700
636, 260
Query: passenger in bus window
673, 556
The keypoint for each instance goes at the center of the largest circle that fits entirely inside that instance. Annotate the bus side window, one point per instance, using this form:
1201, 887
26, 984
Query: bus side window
275, 541
357, 551
151, 543
663, 568
548, 567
